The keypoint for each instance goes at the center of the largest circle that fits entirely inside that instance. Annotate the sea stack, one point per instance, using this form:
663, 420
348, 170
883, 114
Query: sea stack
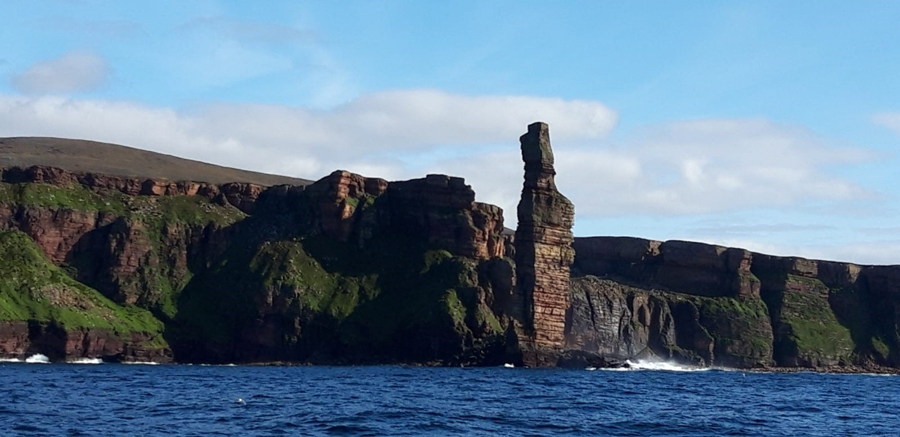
543, 243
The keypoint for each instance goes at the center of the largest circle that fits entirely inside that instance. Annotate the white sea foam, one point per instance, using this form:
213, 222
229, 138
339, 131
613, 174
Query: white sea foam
86, 361
10, 360
663, 365
509, 366
38, 359
146, 363
617, 369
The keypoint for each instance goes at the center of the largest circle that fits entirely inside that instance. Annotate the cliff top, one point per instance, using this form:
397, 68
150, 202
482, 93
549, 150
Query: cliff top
112, 159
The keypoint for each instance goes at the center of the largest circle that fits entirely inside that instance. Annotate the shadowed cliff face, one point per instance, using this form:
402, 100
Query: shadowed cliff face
349, 269
730, 306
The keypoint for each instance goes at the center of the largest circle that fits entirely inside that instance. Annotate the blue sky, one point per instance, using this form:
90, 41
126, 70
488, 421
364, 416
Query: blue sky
773, 126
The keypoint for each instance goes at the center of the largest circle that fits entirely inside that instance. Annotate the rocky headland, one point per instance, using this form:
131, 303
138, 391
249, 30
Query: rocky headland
349, 269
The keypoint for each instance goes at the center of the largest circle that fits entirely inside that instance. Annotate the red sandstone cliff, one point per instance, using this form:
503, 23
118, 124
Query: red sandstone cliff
542, 242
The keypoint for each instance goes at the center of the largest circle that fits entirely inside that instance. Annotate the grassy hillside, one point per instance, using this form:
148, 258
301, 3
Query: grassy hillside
112, 159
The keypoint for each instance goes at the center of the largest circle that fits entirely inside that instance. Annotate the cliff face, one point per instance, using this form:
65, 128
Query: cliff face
349, 269
714, 305
43, 310
352, 269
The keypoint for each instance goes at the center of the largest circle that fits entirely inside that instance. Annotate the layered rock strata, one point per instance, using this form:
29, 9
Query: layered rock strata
440, 210
543, 243
713, 305
343, 270
239, 194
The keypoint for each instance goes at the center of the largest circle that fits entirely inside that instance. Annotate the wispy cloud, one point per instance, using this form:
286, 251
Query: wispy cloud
100, 28
219, 52
71, 73
251, 31
890, 120
758, 228
863, 253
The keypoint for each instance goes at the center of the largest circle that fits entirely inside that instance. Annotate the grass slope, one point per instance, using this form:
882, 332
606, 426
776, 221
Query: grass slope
32, 288
112, 159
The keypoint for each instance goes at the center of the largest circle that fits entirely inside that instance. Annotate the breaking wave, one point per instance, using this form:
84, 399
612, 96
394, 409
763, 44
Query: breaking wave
10, 360
86, 361
146, 363
656, 366
38, 358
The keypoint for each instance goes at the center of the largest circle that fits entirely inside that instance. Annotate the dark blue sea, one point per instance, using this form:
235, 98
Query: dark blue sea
116, 399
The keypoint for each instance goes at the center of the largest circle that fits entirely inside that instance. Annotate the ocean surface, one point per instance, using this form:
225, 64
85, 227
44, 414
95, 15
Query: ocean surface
118, 399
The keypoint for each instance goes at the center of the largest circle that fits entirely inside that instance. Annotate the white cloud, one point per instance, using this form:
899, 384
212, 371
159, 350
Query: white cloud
713, 165
365, 134
863, 253
890, 120
219, 52
70, 73
680, 168
686, 168
255, 31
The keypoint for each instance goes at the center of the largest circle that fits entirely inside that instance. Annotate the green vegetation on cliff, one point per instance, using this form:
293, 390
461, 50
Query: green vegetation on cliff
32, 288
810, 323
165, 223
189, 210
740, 328
74, 197
315, 297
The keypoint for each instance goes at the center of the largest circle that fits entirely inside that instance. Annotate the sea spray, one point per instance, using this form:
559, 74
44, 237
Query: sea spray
664, 366
38, 359
86, 361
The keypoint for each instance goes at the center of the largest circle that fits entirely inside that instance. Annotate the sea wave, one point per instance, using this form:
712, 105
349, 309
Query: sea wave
664, 366
10, 360
37, 359
146, 363
86, 361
